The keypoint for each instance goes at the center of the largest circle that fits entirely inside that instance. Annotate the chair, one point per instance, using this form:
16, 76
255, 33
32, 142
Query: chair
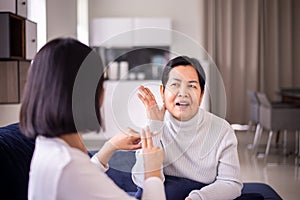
278, 117
253, 117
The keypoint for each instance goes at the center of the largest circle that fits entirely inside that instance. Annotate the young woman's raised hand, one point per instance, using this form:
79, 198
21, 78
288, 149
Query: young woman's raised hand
124, 140
153, 156
152, 109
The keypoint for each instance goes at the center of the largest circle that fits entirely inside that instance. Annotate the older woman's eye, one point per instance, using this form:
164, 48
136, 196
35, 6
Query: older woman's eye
174, 84
192, 86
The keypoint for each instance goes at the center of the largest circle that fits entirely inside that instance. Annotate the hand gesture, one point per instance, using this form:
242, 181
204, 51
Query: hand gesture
152, 109
153, 156
126, 140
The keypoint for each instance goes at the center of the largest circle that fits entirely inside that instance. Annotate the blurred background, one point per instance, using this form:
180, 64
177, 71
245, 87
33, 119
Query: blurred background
253, 44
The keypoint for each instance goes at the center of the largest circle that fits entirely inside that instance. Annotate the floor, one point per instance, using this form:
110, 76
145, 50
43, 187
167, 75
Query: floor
281, 172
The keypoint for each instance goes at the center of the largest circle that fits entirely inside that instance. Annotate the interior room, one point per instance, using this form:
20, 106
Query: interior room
248, 49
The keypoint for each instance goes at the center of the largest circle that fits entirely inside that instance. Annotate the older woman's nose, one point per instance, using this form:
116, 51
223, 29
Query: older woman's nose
182, 92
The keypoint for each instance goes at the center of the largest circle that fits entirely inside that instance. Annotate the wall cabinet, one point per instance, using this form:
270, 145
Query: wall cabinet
30, 39
22, 8
18, 45
9, 82
111, 32
17, 37
12, 36
13, 76
128, 32
158, 35
18, 7
23, 70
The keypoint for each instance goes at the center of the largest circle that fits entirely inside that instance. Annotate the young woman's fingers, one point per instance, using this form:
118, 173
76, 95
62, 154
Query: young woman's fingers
135, 146
133, 134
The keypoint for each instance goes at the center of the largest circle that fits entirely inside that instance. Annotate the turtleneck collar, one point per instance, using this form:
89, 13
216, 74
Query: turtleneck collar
184, 126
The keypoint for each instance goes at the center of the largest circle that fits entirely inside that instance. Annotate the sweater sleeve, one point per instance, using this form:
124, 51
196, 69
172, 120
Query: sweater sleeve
156, 127
138, 168
228, 183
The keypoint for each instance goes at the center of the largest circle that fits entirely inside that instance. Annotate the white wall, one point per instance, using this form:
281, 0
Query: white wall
61, 18
9, 114
36, 11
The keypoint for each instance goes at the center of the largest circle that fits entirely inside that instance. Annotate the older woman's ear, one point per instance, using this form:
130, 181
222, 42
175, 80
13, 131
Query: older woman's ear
162, 90
201, 97
101, 99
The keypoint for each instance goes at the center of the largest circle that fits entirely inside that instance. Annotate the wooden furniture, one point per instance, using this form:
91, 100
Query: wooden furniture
290, 95
18, 7
18, 45
12, 36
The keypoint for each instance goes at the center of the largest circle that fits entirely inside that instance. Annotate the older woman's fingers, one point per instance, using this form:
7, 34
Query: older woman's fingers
141, 97
149, 93
143, 91
144, 140
146, 93
149, 137
144, 97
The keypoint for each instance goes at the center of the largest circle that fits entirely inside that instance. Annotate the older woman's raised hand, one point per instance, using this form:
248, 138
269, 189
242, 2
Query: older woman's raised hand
149, 101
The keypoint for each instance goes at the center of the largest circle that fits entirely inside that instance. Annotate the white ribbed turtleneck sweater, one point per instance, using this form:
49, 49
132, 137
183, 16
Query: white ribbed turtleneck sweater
203, 149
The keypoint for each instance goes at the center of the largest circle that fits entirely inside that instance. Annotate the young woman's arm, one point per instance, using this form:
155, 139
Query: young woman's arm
126, 140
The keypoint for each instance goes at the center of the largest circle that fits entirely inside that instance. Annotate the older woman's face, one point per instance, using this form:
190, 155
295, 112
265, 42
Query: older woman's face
182, 95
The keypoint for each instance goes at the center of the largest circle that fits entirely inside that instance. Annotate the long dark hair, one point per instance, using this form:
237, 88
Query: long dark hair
46, 107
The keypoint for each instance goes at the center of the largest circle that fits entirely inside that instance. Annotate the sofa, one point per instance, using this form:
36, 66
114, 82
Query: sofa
16, 151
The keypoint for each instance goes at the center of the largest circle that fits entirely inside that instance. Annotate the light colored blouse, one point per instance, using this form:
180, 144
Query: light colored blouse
59, 171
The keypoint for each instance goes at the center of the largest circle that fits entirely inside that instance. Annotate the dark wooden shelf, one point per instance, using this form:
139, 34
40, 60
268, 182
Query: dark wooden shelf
12, 36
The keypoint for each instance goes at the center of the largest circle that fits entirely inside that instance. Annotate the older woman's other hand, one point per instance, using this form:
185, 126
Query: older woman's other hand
126, 140
153, 156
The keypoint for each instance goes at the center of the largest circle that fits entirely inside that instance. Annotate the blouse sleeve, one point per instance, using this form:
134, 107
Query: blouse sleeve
102, 168
92, 183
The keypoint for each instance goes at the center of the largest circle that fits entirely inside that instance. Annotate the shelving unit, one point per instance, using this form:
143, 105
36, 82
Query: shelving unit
18, 38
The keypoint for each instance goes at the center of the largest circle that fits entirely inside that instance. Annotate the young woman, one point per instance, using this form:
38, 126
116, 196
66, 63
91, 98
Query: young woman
200, 148
60, 167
